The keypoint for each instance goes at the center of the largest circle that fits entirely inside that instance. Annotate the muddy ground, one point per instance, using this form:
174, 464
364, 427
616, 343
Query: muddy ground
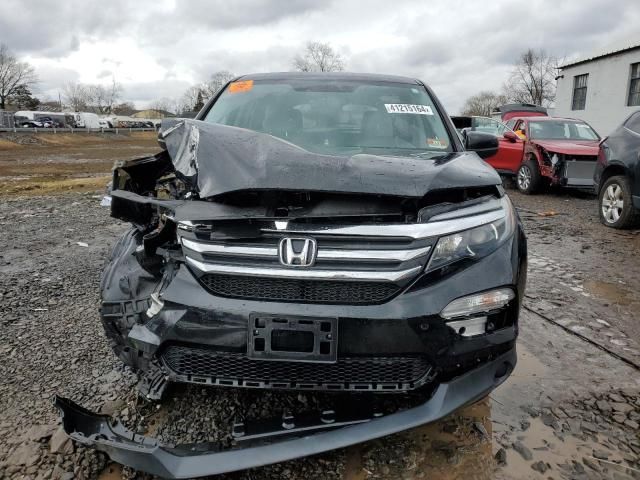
570, 410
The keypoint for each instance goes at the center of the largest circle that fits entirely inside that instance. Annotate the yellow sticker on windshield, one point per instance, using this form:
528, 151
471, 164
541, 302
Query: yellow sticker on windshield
243, 86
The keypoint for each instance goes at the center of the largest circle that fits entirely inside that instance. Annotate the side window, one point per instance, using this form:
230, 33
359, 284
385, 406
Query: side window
634, 85
500, 128
633, 123
511, 123
491, 126
579, 92
520, 129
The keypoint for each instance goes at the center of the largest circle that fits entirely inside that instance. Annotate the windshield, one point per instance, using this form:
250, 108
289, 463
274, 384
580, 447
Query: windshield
336, 117
561, 130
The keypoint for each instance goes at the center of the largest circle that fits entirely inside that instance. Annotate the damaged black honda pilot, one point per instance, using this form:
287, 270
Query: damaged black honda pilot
324, 232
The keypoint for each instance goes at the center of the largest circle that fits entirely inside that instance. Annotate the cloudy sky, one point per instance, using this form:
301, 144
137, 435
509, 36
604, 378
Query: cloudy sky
158, 48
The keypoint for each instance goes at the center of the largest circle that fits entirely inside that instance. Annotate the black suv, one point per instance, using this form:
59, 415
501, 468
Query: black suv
324, 232
617, 175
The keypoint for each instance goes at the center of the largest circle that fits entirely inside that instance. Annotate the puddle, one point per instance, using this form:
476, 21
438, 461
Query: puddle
453, 448
560, 452
528, 368
464, 445
611, 292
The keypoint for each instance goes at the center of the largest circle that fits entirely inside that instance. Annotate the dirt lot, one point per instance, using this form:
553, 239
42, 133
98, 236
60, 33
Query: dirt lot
50, 163
570, 410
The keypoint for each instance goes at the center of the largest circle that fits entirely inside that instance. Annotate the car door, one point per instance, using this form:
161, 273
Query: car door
510, 148
631, 152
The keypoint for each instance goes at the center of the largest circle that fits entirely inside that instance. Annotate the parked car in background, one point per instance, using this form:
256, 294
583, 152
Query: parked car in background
39, 119
508, 158
557, 151
510, 110
48, 122
617, 175
29, 124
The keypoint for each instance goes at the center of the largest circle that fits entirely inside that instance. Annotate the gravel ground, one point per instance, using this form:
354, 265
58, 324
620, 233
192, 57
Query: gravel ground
571, 410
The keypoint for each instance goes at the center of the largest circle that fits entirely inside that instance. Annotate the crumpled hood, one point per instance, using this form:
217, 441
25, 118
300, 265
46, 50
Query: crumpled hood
571, 147
220, 159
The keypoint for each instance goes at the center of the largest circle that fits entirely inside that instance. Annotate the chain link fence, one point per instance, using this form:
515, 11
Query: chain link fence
6, 119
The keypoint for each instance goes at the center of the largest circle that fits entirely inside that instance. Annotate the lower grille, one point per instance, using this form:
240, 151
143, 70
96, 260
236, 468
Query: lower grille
199, 365
303, 291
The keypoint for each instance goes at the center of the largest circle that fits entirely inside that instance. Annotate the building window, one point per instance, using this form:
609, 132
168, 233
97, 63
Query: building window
634, 86
579, 92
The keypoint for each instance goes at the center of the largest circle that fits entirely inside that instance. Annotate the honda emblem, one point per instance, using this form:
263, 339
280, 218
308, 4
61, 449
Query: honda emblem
297, 252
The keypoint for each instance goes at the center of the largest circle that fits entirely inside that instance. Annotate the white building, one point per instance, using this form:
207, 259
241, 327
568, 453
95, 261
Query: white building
602, 90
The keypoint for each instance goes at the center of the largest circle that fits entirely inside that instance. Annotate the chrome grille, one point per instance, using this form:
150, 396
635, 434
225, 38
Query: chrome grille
370, 262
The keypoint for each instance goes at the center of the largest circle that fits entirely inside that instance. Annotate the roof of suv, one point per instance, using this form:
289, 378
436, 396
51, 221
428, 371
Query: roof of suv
547, 119
362, 77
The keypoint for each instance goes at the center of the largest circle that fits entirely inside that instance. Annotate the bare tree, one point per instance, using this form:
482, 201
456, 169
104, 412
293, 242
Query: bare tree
218, 80
102, 98
161, 107
532, 79
96, 98
13, 75
483, 103
318, 57
191, 96
113, 94
125, 108
178, 106
76, 95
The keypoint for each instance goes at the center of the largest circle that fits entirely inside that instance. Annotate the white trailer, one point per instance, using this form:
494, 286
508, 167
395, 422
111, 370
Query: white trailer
86, 120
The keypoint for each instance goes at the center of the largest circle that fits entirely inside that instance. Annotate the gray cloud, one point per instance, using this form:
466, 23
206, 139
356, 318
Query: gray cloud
104, 74
225, 14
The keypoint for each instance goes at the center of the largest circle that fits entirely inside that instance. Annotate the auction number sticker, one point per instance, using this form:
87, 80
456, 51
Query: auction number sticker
408, 108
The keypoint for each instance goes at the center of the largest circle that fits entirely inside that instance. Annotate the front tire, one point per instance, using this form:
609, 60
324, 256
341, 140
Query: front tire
616, 204
528, 178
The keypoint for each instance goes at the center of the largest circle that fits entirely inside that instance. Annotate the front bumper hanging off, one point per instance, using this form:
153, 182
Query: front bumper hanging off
149, 455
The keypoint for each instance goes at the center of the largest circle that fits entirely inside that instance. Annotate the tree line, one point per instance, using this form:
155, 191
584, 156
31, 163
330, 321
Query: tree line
531, 80
18, 79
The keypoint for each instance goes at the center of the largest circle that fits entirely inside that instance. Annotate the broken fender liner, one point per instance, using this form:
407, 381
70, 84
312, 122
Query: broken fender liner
149, 455
221, 159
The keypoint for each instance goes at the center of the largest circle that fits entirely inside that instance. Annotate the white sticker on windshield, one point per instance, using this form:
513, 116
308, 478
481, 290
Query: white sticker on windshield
408, 108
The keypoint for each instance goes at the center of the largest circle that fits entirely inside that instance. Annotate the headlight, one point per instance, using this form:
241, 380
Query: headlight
473, 243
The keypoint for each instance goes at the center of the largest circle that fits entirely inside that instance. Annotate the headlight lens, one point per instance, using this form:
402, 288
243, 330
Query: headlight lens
478, 303
473, 243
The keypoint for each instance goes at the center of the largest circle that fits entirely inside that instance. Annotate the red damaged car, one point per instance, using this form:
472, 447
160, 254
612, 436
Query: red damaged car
510, 147
557, 151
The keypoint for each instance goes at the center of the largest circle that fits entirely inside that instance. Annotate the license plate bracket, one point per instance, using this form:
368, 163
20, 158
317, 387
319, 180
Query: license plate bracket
297, 339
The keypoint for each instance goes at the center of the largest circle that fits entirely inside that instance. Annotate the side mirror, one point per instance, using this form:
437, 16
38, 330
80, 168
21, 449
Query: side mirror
484, 144
511, 136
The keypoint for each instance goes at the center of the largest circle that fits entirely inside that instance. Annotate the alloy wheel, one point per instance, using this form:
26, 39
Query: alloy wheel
612, 203
524, 177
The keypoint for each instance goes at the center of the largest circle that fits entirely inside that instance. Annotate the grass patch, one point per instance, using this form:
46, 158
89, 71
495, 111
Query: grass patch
51, 185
